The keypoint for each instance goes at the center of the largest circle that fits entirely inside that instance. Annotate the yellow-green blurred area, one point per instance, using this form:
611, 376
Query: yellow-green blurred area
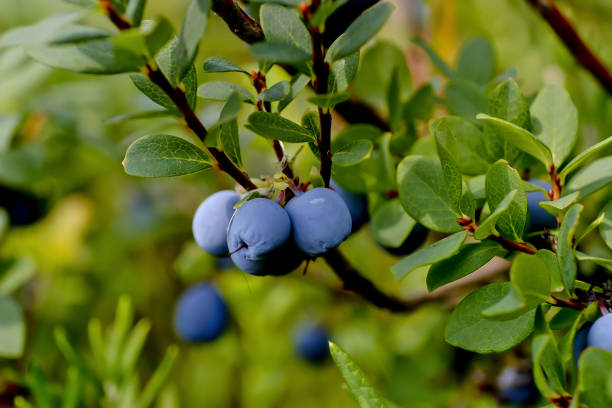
103, 233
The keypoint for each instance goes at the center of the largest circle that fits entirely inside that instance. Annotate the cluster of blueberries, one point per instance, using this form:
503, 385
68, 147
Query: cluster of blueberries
201, 316
263, 238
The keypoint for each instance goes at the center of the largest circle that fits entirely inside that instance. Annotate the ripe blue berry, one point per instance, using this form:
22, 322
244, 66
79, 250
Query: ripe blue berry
200, 314
312, 343
356, 203
211, 220
320, 220
539, 218
600, 334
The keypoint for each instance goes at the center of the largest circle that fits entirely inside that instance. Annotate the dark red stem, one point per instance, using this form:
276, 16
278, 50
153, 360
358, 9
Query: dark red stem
566, 32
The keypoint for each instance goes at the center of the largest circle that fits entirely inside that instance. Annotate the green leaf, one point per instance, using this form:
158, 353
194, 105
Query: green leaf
342, 73
591, 178
469, 258
547, 367
273, 126
465, 99
423, 194
531, 278
606, 263
74, 358
279, 52
164, 156
476, 61
468, 329
509, 307
326, 9
500, 181
507, 102
159, 377
8, 127
358, 384
218, 64
101, 57
550, 259
420, 105
360, 31
438, 251
135, 10
133, 345
376, 67
558, 207
472, 156
605, 228
16, 274
446, 146
435, 58
192, 31
283, 26
43, 32
390, 225
221, 91
330, 100
519, 138
352, 153
565, 244
158, 35
298, 82
583, 156
595, 366
555, 121
487, 227
12, 328
276, 92
155, 113
230, 141
231, 109
153, 92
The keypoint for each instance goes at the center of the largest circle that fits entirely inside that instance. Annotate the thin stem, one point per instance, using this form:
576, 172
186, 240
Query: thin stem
555, 181
178, 96
571, 303
239, 22
117, 19
566, 32
469, 225
321, 71
259, 82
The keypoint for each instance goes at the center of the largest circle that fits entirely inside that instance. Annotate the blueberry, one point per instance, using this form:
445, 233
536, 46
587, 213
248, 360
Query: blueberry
600, 334
580, 341
538, 217
258, 239
200, 314
516, 386
320, 220
415, 239
312, 343
211, 219
356, 203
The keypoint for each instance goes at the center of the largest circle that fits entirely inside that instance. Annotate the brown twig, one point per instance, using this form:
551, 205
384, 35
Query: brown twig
259, 82
117, 19
571, 303
469, 225
321, 71
239, 22
178, 96
566, 32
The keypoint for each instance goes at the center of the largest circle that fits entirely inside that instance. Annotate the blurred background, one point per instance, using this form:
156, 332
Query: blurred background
87, 233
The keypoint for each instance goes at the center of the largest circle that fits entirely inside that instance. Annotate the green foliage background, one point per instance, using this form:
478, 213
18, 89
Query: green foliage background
107, 233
